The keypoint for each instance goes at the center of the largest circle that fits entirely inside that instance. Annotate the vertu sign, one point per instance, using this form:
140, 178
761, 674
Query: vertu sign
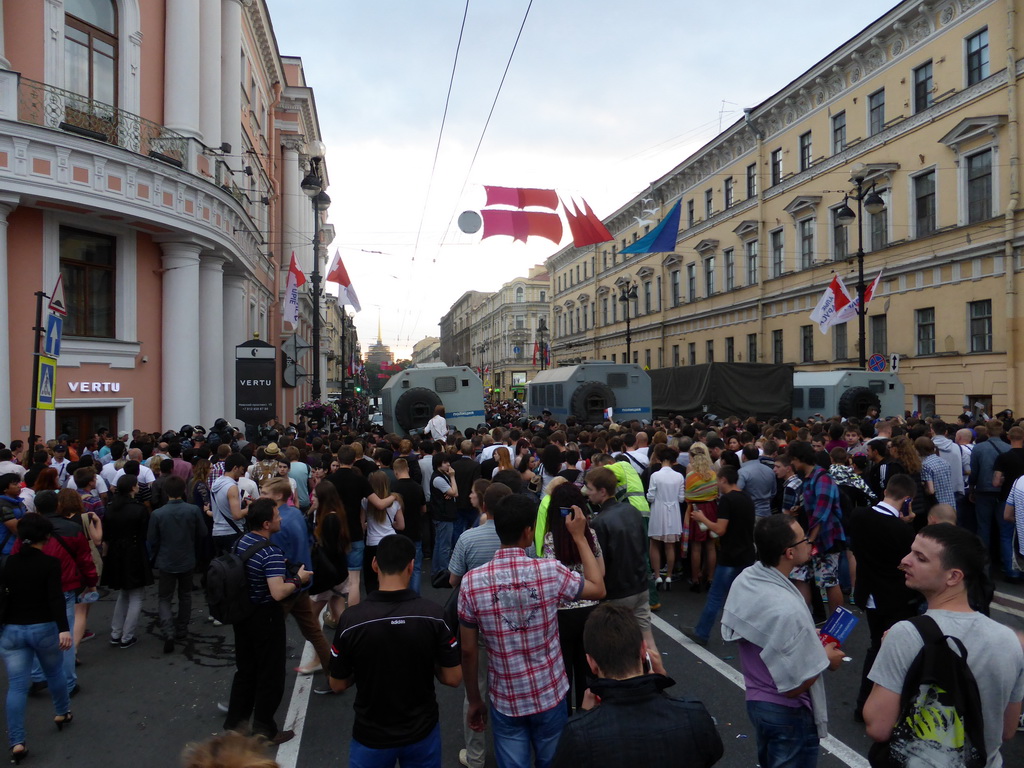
255, 393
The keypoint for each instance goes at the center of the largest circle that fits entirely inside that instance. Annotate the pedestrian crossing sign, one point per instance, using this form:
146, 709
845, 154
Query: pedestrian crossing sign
46, 396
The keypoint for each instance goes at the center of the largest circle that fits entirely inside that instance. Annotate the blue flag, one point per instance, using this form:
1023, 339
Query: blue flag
661, 239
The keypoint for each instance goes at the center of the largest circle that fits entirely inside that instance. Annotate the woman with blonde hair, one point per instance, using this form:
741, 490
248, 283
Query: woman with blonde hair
378, 523
504, 459
701, 493
902, 449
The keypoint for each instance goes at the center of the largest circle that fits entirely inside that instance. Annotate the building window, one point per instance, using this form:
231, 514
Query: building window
520, 295
925, 321
577, 274
838, 133
709, 276
520, 322
709, 350
777, 347
839, 342
730, 349
661, 357
543, 296
691, 352
729, 259
88, 266
879, 228
806, 231
979, 187
751, 248
807, 343
636, 357
876, 112
647, 297
751, 347
604, 311
90, 52
709, 204
675, 355
840, 235
689, 213
752, 180
675, 279
776, 166
727, 202
647, 359
777, 242
615, 310
924, 204
981, 325
691, 282
879, 335
805, 151
657, 291
923, 87
977, 57
925, 405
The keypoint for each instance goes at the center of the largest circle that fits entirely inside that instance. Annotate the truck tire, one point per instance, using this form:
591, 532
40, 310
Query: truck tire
589, 400
415, 408
855, 401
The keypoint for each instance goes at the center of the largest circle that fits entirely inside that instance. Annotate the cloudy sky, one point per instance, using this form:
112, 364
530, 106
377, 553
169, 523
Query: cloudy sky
601, 98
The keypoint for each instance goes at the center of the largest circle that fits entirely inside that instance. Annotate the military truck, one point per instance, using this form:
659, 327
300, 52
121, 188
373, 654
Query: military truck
848, 393
409, 398
586, 390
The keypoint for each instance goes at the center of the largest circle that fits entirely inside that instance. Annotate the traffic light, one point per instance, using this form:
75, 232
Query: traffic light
358, 389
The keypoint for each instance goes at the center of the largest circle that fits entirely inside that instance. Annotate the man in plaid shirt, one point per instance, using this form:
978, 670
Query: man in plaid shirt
512, 602
217, 470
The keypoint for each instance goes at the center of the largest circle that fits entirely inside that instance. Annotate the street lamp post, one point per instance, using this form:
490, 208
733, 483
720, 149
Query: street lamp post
542, 328
313, 186
872, 201
627, 293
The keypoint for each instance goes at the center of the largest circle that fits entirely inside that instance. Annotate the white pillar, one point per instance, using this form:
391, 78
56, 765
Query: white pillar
180, 392
231, 78
209, 74
298, 212
181, 68
214, 363
4, 63
7, 204
233, 321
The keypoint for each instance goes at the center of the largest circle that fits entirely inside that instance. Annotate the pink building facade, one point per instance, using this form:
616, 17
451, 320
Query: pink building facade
151, 154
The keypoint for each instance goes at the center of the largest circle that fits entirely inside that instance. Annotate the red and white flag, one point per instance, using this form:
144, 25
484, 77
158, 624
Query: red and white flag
291, 293
831, 303
339, 275
849, 312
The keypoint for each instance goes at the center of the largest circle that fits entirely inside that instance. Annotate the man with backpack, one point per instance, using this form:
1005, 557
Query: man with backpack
258, 685
948, 684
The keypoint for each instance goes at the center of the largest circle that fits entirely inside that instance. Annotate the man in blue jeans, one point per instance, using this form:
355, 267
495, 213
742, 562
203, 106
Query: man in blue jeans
735, 529
780, 651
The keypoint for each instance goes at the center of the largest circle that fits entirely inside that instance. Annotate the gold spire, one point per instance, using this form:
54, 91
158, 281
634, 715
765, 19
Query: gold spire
380, 340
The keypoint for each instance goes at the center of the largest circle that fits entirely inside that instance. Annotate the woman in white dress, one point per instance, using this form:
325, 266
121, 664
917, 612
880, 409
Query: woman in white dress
666, 492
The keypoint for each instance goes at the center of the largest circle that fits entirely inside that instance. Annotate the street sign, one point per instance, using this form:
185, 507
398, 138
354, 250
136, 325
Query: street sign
255, 392
876, 363
57, 303
54, 329
894, 362
46, 396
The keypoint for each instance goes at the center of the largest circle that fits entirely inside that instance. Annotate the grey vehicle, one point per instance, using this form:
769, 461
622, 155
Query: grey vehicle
409, 398
586, 390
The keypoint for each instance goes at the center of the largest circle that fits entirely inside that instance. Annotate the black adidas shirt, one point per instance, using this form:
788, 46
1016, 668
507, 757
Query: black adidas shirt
391, 643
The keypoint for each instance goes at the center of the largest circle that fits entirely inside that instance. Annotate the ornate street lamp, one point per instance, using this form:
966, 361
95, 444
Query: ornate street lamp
627, 293
872, 201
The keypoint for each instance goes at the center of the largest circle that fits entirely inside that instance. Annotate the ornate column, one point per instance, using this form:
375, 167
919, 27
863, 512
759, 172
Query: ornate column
181, 68
209, 73
180, 392
215, 363
298, 210
233, 324
231, 78
7, 204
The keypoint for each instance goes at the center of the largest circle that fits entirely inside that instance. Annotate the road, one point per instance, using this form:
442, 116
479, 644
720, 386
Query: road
139, 705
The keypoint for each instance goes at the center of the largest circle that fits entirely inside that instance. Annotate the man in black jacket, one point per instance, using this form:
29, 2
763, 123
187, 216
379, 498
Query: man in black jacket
880, 537
467, 472
630, 720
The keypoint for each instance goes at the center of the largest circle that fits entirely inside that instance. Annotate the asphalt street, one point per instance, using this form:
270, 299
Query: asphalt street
140, 707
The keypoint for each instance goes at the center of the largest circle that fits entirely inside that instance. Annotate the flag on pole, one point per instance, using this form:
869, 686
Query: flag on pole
849, 312
536, 348
830, 304
339, 275
291, 293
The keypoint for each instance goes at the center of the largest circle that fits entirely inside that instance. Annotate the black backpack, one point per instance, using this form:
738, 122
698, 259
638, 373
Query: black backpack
227, 584
940, 708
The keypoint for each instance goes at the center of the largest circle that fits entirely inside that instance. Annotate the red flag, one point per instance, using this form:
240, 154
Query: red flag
600, 230
520, 197
338, 274
535, 346
522, 224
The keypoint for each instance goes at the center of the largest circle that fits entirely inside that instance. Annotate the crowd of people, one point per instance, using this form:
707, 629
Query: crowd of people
542, 530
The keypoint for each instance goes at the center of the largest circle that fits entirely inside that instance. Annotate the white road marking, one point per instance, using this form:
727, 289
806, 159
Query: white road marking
288, 753
843, 752
1006, 609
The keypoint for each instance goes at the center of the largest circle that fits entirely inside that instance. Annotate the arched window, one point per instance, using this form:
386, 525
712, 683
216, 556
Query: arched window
520, 295
90, 49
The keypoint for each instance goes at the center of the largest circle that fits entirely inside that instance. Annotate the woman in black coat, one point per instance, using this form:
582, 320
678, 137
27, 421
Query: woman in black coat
126, 565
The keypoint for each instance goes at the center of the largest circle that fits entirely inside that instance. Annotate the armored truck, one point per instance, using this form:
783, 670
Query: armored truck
585, 391
409, 398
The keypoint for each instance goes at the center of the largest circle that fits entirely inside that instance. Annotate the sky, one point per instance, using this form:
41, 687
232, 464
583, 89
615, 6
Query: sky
601, 98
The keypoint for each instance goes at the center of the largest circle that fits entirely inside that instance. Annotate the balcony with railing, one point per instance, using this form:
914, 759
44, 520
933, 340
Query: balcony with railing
51, 107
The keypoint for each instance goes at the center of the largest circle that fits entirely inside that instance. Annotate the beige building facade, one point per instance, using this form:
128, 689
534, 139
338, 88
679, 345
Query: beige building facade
922, 106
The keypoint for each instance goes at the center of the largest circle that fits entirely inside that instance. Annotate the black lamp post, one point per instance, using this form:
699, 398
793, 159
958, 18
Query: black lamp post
313, 186
872, 201
627, 293
542, 328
